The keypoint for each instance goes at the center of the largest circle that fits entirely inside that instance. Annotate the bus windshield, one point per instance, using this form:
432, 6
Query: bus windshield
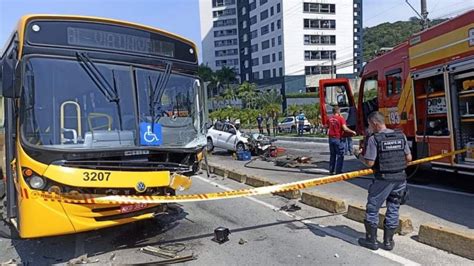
69, 105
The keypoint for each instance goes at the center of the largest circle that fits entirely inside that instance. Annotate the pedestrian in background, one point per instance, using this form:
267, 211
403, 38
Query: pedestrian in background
275, 123
260, 123
387, 152
351, 123
336, 127
300, 120
268, 123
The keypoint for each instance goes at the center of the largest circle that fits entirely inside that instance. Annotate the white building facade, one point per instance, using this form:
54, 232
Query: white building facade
286, 45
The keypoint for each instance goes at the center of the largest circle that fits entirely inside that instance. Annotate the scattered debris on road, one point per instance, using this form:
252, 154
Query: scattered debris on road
169, 261
221, 235
293, 162
156, 251
9, 262
290, 208
242, 241
83, 259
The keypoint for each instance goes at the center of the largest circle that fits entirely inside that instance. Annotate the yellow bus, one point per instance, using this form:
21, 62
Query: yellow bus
87, 104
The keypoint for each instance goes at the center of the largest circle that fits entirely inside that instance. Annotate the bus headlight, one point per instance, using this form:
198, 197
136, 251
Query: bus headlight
37, 182
54, 189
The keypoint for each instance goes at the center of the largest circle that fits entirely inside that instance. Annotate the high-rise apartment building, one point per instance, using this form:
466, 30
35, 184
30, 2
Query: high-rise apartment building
287, 45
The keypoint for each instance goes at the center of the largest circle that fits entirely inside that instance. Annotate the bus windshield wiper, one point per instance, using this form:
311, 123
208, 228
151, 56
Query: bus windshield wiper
155, 92
110, 92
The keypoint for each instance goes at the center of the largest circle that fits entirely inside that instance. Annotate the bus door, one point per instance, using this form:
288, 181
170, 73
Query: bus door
460, 76
337, 92
9, 90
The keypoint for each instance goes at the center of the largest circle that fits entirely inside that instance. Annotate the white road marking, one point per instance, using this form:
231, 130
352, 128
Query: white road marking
329, 231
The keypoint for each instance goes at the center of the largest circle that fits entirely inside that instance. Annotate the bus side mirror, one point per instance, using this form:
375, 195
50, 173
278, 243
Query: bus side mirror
8, 87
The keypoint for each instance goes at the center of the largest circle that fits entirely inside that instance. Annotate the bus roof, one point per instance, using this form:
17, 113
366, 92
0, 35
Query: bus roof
25, 19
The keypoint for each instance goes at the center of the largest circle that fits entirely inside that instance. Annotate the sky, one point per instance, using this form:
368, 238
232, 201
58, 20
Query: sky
182, 16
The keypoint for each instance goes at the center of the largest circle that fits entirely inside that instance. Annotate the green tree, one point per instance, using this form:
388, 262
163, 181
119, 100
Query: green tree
229, 94
293, 109
205, 73
247, 93
226, 76
271, 101
389, 35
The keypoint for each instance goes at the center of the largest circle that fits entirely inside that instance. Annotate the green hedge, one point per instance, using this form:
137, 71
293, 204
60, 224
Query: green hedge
303, 95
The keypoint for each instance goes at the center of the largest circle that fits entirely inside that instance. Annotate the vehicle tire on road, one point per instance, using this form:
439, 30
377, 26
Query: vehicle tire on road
240, 147
210, 145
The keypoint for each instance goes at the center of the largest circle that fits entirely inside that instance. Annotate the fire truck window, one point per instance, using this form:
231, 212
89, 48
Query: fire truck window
394, 84
370, 89
369, 98
337, 95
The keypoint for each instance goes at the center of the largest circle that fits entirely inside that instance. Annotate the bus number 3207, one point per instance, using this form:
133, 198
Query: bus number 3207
96, 176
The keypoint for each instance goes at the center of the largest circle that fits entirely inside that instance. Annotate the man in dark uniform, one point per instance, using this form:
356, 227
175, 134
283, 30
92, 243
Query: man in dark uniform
387, 152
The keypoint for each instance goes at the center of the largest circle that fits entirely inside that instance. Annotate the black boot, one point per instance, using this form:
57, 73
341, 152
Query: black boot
388, 242
370, 240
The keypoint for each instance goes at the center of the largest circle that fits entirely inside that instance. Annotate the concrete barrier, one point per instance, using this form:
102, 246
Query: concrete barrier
323, 202
452, 240
256, 181
357, 213
220, 171
237, 176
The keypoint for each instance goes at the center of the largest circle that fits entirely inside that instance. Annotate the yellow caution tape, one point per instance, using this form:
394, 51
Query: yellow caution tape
137, 199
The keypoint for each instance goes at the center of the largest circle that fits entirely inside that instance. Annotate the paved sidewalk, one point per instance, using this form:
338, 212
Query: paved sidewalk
446, 208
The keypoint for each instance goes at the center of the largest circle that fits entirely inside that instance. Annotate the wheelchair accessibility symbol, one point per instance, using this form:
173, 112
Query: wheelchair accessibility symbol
150, 136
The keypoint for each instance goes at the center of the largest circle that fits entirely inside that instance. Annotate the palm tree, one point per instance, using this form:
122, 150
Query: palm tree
271, 102
247, 93
293, 109
205, 73
229, 95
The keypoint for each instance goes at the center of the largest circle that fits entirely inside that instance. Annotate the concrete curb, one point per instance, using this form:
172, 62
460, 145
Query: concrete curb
455, 241
452, 240
311, 139
254, 181
323, 202
357, 213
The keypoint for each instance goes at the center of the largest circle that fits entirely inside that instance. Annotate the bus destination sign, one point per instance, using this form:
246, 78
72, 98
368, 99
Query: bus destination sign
118, 41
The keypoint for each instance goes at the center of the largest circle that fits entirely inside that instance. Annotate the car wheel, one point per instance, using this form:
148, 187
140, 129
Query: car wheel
210, 145
240, 147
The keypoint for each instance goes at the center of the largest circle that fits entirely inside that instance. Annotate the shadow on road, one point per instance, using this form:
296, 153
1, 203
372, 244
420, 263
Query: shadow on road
288, 223
60, 249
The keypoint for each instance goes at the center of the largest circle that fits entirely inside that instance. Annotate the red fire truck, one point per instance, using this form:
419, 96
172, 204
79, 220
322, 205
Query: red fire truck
424, 87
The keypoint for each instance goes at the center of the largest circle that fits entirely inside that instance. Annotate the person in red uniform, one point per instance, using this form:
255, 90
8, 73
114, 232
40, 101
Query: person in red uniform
336, 128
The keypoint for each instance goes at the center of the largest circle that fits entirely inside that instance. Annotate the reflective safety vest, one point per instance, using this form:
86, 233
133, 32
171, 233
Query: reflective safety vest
390, 163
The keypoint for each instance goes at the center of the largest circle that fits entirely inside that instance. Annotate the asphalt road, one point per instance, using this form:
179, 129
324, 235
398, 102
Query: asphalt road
267, 236
424, 176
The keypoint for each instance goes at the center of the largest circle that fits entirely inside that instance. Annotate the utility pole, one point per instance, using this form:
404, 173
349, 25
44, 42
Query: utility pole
424, 15
332, 64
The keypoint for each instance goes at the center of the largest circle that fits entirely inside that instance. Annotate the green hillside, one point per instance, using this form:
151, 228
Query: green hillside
389, 35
